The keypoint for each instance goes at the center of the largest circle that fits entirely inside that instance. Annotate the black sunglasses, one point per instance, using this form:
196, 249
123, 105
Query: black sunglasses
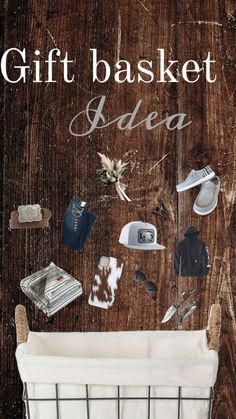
140, 278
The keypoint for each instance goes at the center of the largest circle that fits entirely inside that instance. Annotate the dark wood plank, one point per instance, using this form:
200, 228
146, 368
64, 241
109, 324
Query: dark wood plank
204, 27
2, 22
16, 120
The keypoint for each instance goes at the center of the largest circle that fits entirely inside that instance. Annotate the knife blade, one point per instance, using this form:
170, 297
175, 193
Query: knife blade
186, 312
172, 309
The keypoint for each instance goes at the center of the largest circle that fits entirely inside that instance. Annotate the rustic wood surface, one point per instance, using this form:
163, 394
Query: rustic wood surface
42, 163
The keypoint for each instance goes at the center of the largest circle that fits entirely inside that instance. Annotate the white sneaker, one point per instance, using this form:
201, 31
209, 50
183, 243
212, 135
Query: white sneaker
207, 198
196, 177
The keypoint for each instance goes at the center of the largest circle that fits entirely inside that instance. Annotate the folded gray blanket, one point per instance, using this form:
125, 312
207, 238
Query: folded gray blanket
51, 289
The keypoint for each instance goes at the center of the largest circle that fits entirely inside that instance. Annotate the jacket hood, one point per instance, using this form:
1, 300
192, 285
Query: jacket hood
191, 232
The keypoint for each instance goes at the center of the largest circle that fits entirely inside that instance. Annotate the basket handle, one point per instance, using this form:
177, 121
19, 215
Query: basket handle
22, 327
214, 327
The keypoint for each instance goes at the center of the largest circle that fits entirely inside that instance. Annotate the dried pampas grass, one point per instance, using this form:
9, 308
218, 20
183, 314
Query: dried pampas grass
112, 172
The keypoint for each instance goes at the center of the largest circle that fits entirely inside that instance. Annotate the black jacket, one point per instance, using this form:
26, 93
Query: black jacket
191, 257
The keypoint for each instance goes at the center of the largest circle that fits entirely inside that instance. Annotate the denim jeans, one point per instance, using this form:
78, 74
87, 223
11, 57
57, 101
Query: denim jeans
77, 224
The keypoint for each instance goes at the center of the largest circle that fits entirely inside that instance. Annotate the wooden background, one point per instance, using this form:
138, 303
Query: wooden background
42, 163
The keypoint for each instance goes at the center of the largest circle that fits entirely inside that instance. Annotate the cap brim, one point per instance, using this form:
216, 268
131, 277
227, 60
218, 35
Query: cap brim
150, 246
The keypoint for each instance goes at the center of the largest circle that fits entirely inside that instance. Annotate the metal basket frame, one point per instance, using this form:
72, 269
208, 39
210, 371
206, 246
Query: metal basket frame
118, 398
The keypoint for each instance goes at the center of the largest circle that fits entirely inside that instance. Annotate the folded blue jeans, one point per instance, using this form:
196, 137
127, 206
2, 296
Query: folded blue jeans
77, 224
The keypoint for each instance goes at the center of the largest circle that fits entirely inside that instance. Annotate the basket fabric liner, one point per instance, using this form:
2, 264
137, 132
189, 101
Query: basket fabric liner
165, 360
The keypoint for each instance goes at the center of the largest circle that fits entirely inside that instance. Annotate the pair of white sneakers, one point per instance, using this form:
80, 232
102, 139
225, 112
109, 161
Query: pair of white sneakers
207, 198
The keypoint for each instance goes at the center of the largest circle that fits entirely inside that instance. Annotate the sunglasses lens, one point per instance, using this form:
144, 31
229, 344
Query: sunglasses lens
151, 288
139, 277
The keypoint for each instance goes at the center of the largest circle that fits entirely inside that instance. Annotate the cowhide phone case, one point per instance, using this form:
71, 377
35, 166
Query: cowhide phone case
105, 283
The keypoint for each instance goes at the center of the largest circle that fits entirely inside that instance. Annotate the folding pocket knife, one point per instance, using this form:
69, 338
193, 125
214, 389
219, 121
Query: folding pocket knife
183, 297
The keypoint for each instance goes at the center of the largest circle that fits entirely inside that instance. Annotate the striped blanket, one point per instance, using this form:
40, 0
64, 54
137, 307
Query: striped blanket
51, 289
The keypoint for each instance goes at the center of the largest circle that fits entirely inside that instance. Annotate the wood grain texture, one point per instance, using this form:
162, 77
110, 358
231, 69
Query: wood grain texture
210, 138
43, 163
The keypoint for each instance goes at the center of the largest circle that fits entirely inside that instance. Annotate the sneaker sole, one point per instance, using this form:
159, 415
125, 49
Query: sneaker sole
198, 182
